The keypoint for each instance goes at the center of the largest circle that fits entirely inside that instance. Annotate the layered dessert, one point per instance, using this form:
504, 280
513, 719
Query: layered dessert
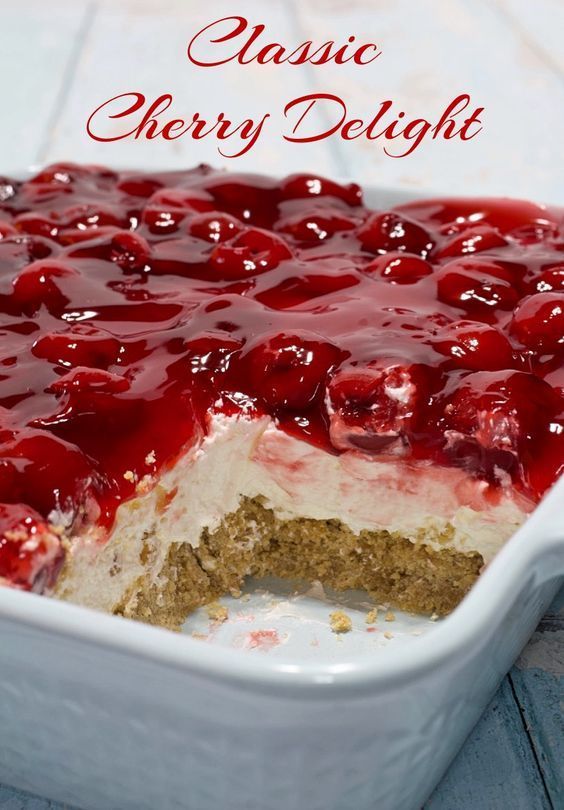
206, 376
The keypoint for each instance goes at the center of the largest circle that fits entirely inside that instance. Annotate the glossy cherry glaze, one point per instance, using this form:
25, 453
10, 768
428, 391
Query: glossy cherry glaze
134, 305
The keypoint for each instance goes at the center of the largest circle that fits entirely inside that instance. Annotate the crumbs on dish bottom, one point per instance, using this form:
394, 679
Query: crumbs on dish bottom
340, 622
217, 613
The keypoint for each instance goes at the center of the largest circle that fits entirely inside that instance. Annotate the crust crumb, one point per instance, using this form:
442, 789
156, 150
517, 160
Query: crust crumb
217, 613
129, 475
372, 616
145, 484
387, 634
150, 458
340, 622
390, 617
16, 535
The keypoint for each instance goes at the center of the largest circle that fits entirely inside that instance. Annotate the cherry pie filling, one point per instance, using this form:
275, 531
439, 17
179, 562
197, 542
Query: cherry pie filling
134, 305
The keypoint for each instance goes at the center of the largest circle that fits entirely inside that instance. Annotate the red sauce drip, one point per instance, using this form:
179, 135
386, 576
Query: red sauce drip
133, 304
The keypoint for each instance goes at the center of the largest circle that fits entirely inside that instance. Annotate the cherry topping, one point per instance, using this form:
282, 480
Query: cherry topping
39, 285
399, 268
492, 416
169, 206
91, 216
538, 322
252, 252
82, 380
475, 286
88, 396
130, 251
549, 280
36, 225
391, 231
30, 552
83, 346
299, 289
300, 186
474, 345
46, 472
317, 226
6, 229
373, 408
472, 240
289, 370
211, 355
140, 185
214, 227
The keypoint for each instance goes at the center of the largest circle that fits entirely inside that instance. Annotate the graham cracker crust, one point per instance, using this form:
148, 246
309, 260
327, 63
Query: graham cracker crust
253, 541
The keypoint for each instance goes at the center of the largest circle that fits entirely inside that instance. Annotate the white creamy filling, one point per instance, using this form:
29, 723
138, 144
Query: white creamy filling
244, 457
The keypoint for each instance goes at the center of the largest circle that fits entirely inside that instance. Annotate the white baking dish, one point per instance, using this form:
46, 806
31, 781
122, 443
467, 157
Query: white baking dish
105, 713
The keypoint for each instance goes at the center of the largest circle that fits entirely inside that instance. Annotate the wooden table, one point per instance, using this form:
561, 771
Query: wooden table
60, 60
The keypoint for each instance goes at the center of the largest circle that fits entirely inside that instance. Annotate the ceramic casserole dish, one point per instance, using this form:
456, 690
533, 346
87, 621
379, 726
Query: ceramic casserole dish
101, 712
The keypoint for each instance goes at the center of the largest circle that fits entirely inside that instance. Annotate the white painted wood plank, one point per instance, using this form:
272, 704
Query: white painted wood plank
38, 43
433, 51
541, 23
141, 46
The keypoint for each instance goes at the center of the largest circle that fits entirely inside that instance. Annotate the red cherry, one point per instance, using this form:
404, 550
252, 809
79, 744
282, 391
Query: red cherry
456, 215
399, 268
550, 280
6, 229
74, 236
295, 290
475, 285
130, 251
214, 227
37, 225
492, 416
317, 226
548, 463
534, 232
57, 174
16, 252
88, 216
391, 231
81, 346
302, 186
252, 252
169, 206
472, 240
30, 553
211, 356
49, 474
83, 379
140, 185
39, 284
538, 322
373, 408
288, 370
251, 198
475, 346
89, 393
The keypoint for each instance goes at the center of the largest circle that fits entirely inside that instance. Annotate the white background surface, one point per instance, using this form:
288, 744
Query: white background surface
59, 60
